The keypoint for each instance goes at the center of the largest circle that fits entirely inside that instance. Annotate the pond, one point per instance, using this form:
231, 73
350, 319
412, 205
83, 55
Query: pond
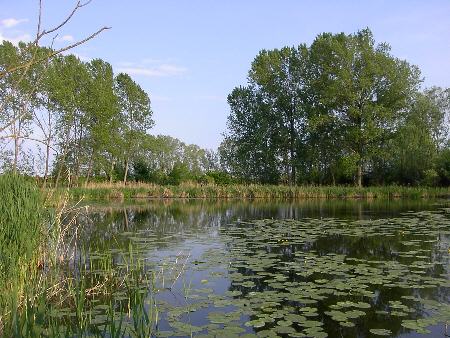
314, 268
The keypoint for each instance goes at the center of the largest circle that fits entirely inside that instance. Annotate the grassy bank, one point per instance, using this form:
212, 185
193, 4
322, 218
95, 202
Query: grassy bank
209, 191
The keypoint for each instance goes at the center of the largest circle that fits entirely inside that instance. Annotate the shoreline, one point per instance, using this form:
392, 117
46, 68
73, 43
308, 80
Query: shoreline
140, 191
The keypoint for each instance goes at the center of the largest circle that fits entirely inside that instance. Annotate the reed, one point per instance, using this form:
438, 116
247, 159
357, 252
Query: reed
119, 191
23, 229
51, 288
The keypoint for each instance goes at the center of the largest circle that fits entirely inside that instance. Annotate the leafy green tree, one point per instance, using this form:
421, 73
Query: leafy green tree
136, 116
179, 173
67, 85
267, 123
102, 114
363, 88
17, 96
278, 77
250, 147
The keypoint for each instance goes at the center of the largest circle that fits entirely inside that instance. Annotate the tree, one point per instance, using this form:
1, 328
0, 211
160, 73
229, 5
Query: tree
250, 148
279, 77
102, 114
313, 113
67, 86
136, 115
363, 88
267, 117
21, 79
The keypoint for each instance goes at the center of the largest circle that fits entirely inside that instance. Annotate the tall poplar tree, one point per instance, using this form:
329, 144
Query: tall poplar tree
135, 116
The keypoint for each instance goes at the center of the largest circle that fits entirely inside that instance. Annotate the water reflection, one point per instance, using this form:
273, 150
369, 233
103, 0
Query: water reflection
166, 229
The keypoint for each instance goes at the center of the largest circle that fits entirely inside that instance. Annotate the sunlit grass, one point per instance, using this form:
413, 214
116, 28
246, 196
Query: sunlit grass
195, 190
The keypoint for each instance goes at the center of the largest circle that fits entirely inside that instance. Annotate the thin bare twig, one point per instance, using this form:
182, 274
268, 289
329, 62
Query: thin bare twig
51, 54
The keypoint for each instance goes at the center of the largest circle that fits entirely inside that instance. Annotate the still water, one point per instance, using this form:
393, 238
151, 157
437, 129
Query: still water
315, 268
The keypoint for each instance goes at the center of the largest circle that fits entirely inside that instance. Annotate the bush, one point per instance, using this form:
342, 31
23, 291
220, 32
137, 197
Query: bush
443, 167
180, 173
220, 177
431, 178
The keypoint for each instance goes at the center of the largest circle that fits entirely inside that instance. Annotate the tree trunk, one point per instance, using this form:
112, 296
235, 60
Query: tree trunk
89, 170
292, 151
66, 145
111, 172
16, 153
47, 158
126, 172
78, 155
359, 175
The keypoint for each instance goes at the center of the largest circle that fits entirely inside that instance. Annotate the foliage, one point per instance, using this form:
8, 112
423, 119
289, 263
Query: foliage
342, 109
93, 123
443, 167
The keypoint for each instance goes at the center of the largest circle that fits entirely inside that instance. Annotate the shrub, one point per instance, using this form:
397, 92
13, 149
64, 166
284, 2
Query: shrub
443, 167
220, 177
431, 178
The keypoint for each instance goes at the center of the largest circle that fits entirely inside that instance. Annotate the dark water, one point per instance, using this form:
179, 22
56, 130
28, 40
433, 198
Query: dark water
223, 274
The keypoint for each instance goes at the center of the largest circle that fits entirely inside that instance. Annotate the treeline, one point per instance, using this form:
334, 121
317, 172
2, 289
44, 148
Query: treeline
166, 160
340, 111
71, 121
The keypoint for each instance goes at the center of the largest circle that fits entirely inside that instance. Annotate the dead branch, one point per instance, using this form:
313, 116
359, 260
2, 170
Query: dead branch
50, 55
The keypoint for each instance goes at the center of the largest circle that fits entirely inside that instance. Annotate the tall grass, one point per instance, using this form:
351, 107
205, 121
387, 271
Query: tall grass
23, 221
50, 289
104, 191
98, 298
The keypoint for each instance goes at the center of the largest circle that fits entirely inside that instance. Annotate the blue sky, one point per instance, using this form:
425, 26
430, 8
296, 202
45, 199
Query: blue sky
189, 55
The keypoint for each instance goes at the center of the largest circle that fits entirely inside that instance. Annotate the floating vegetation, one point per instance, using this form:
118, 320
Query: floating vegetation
322, 276
311, 277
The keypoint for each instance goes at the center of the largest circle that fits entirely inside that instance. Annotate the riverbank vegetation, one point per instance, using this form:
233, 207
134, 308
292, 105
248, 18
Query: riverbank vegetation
341, 118
51, 285
106, 191
342, 111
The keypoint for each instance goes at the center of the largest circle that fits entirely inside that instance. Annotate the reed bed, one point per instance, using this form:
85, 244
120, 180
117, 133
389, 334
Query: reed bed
102, 191
49, 287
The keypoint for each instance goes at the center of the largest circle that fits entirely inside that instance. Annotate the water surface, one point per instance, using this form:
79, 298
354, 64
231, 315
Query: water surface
314, 268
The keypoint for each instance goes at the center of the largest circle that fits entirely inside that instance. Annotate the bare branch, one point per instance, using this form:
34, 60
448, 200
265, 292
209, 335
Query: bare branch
38, 30
13, 136
45, 32
52, 54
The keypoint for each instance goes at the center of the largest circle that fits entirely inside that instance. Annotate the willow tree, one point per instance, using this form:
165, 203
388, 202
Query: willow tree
135, 116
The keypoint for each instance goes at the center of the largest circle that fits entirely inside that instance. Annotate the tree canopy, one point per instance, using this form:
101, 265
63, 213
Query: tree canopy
333, 112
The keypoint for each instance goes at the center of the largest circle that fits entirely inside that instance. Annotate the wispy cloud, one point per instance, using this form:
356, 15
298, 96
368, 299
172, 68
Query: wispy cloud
152, 67
162, 70
67, 38
16, 39
11, 22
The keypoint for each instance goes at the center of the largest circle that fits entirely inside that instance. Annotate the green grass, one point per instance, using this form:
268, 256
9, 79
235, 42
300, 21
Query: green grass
191, 190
